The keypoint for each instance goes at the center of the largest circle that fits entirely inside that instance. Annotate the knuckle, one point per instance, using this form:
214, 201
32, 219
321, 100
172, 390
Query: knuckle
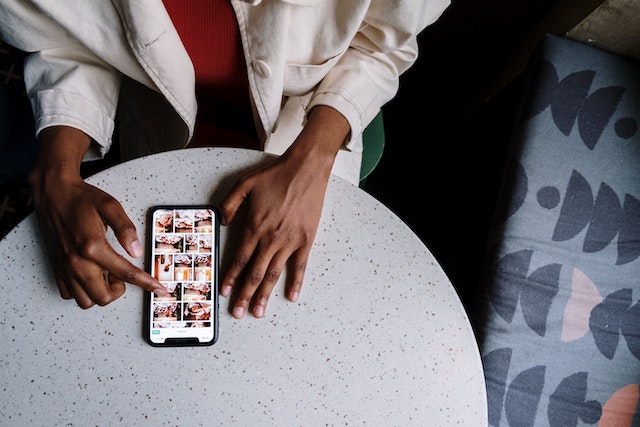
75, 262
274, 235
296, 284
109, 203
228, 281
243, 300
241, 262
102, 300
128, 275
89, 248
262, 300
85, 305
255, 278
272, 276
127, 228
225, 210
301, 266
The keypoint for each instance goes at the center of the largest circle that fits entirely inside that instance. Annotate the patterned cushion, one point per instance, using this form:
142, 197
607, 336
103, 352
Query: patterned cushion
559, 313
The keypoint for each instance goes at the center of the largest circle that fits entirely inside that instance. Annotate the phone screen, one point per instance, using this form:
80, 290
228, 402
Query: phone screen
183, 257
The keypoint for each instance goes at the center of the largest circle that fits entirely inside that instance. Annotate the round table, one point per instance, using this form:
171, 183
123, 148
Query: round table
378, 336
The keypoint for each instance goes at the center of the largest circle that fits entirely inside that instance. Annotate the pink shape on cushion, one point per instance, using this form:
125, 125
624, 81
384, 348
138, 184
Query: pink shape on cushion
619, 410
584, 297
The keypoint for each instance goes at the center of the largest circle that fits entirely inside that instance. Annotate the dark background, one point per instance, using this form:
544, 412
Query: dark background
448, 128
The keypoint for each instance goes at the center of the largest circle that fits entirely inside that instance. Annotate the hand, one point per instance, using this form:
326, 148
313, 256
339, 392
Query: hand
284, 202
74, 217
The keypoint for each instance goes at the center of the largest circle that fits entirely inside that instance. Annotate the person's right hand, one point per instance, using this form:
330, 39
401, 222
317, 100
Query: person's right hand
74, 217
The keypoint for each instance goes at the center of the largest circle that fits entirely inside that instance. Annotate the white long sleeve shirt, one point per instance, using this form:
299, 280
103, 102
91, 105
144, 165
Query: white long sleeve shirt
92, 57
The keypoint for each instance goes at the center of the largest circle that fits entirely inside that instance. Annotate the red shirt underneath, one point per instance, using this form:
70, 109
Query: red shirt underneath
210, 34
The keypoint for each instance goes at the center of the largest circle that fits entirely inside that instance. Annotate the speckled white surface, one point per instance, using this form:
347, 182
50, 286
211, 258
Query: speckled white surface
378, 337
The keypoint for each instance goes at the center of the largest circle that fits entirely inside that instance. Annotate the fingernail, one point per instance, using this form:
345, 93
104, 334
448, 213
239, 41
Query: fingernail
225, 291
258, 311
294, 296
136, 248
238, 312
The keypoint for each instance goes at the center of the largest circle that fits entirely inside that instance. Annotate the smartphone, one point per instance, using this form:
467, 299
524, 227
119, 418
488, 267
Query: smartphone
183, 255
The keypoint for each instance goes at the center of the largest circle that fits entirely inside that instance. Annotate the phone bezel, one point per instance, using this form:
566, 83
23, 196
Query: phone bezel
150, 239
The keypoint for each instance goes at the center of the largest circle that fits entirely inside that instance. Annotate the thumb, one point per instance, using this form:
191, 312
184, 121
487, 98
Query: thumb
123, 228
232, 202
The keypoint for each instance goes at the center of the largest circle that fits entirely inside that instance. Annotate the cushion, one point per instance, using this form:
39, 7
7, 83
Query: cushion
558, 319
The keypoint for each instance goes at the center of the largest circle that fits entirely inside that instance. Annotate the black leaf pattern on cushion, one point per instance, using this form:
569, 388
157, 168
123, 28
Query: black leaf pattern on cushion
515, 186
596, 113
496, 367
538, 294
567, 403
570, 101
511, 275
523, 397
535, 292
575, 212
606, 320
630, 329
566, 102
545, 83
629, 235
565, 97
605, 220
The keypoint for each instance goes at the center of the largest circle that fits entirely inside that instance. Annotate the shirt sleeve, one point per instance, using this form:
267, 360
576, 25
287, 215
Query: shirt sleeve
367, 75
70, 86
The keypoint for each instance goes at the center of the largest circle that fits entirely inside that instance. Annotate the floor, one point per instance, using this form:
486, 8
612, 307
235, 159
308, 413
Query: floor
446, 133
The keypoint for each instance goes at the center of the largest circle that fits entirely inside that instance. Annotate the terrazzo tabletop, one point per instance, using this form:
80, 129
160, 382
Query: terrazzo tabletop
378, 336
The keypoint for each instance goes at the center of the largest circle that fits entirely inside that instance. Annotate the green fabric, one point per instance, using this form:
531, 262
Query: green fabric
373, 146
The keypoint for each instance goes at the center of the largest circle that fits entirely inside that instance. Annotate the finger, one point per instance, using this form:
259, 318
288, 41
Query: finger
255, 277
65, 292
264, 291
80, 295
232, 201
239, 263
117, 285
123, 228
298, 267
56, 265
92, 284
103, 255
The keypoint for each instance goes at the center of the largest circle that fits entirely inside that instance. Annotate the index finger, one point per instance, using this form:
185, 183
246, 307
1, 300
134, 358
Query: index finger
114, 216
114, 263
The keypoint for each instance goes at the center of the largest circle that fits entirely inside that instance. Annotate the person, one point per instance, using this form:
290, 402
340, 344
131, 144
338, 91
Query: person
312, 75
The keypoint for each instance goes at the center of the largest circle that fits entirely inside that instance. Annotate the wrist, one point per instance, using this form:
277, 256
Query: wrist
321, 138
60, 153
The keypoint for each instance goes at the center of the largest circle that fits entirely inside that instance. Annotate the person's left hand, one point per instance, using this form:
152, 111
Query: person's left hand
284, 202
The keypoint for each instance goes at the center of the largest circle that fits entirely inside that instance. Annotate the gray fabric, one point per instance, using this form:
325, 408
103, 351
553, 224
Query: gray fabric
559, 317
